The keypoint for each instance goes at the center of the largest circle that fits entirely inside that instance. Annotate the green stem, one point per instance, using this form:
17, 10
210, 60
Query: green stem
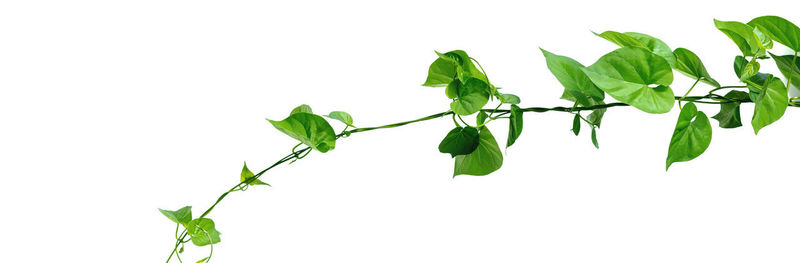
687, 93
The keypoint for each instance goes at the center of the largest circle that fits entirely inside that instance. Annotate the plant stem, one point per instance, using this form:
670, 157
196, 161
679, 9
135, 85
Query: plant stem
687, 93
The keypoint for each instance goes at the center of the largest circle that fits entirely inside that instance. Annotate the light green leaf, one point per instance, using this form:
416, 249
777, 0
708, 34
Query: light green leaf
202, 260
750, 69
729, 115
788, 69
481, 118
577, 86
576, 124
440, 73
181, 216
486, 159
779, 29
310, 129
514, 125
594, 139
691, 137
302, 108
247, 174
770, 104
471, 97
633, 39
743, 36
203, 232
627, 73
509, 99
342, 116
596, 116
452, 89
690, 65
465, 69
459, 141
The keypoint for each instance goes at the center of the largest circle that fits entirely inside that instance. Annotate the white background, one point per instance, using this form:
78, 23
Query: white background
112, 109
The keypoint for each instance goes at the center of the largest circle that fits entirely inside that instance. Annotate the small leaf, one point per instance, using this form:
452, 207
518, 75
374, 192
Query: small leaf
576, 124
452, 89
509, 99
481, 118
486, 159
691, 137
302, 108
779, 29
202, 260
181, 216
514, 125
459, 141
729, 116
247, 174
577, 86
690, 65
788, 69
310, 129
633, 39
203, 232
342, 116
743, 36
750, 70
770, 104
627, 73
594, 138
472, 96
596, 116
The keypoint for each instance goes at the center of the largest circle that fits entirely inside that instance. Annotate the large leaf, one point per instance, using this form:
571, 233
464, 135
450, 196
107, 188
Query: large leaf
310, 129
743, 36
575, 82
771, 103
486, 159
633, 39
203, 232
789, 66
181, 216
690, 65
514, 125
729, 114
247, 174
691, 137
471, 97
779, 29
627, 73
459, 141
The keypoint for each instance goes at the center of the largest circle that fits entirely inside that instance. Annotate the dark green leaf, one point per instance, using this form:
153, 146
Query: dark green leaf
770, 104
576, 124
690, 65
594, 138
788, 69
203, 232
342, 116
779, 29
459, 141
627, 73
310, 129
576, 84
514, 125
471, 97
729, 115
743, 36
181, 216
691, 137
486, 159
302, 108
247, 174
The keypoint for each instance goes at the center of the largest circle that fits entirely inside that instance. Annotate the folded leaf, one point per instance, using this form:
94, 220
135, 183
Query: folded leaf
486, 159
690, 65
729, 114
310, 129
181, 216
576, 124
691, 137
514, 125
459, 141
247, 174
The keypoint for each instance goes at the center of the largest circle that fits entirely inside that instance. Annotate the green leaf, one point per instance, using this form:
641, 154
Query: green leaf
729, 115
486, 159
459, 141
576, 124
342, 116
627, 73
691, 137
576, 84
743, 36
452, 89
514, 125
509, 99
440, 73
779, 29
633, 39
596, 116
181, 216
465, 69
471, 97
770, 104
202, 260
690, 65
594, 139
750, 70
481, 118
247, 174
310, 129
788, 69
302, 108
203, 232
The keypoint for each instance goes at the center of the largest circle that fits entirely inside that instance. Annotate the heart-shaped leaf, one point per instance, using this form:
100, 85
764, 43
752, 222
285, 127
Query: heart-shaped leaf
486, 159
779, 29
771, 103
691, 137
690, 65
310, 129
576, 84
181, 216
203, 232
743, 36
472, 96
459, 141
627, 73
342, 116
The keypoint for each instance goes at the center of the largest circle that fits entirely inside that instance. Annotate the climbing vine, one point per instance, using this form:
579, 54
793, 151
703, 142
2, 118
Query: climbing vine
638, 74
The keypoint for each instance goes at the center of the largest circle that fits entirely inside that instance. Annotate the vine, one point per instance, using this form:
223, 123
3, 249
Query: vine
638, 74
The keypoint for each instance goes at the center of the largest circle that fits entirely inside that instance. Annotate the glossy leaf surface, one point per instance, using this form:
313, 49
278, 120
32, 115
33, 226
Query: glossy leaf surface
691, 137
486, 159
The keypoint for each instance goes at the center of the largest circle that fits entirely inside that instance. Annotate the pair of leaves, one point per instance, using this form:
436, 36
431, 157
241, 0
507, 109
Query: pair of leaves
201, 230
308, 128
751, 41
247, 174
691, 137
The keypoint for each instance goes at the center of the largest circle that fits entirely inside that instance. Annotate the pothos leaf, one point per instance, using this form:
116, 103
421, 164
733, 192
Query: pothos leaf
514, 125
729, 115
440, 73
247, 174
459, 141
576, 124
481, 118
690, 65
594, 138
342, 116
509, 98
633, 39
779, 29
310, 129
788, 69
771, 103
744, 36
203, 232
691, 137
181, 216
486, 158
627, 73
471, 97
302, 108
576, 84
